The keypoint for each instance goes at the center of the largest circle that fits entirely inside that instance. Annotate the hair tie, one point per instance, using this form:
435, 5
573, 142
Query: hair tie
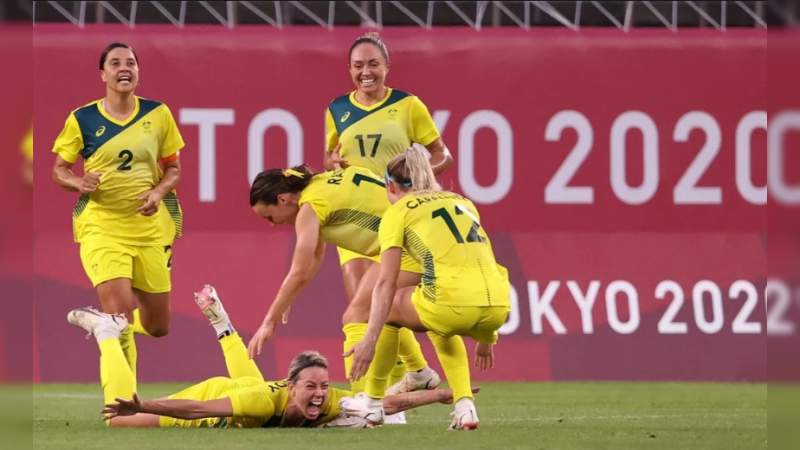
292, 173
389, 177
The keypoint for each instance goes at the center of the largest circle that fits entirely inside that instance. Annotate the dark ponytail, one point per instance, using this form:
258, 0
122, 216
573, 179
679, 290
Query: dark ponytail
269, 184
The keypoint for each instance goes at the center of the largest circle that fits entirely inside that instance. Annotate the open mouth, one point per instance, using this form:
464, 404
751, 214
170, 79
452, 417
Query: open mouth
124, 79
367, 82
314, 408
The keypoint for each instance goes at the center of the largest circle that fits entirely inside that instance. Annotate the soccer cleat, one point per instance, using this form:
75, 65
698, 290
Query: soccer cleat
211, 305
95, 322
346, 421
361, 405
395, 419
426, 378
465, 417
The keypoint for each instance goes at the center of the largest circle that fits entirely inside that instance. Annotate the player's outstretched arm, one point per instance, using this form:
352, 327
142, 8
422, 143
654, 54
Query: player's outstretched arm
308, 253
177, 408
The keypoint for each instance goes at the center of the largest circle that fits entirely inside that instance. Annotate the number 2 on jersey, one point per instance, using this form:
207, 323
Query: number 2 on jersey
472, 236
127, 158
376, 140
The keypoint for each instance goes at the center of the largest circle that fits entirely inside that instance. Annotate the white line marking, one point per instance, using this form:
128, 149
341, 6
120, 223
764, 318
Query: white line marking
65, 395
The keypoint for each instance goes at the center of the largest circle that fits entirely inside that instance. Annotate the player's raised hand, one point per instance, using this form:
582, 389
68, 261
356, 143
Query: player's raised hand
263, 334
362, 352
484, 356
123, 407
150, 201
89, 182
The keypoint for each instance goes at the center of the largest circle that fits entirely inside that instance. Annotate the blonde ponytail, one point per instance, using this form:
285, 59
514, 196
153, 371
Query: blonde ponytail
412, 169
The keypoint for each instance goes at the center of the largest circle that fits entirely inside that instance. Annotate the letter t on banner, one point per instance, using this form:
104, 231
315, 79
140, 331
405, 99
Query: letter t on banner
207, 120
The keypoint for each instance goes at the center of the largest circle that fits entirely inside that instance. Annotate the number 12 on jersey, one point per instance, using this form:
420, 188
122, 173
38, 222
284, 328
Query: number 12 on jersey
472, 236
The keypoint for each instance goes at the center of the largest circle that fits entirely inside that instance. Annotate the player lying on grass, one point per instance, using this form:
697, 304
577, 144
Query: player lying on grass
242, 400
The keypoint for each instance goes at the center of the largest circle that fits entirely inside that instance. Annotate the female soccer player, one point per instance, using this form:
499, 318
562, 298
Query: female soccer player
244, 398
367, 128
343, 207
463, 292
127, 215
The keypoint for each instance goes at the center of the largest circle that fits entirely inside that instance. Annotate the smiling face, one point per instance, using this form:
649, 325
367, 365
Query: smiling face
368, 68
282, 213
309, 392
120, 71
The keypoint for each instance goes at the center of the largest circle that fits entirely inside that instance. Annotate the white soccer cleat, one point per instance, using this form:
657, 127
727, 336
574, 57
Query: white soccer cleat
96, 322
211, 305
395, 419
465, 417
346, 421
426, 378
363, 406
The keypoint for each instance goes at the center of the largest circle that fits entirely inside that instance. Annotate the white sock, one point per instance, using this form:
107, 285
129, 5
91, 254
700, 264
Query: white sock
464, 402
223, 328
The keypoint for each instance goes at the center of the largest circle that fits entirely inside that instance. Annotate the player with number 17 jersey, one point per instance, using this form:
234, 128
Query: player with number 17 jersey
370, 136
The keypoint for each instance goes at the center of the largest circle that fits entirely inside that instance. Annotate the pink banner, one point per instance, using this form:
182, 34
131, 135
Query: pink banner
622, 178
16, 236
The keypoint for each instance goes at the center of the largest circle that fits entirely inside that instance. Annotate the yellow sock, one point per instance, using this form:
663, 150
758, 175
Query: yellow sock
397, 373
236, 358
453, 358
353, 332
128, 343
410, 351
116, 377
136, 325
383, 362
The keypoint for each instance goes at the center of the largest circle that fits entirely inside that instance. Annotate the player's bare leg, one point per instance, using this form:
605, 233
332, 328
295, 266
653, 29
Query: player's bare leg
154, 312
116, 297
352, 273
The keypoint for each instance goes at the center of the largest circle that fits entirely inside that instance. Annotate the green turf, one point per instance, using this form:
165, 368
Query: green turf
513, 415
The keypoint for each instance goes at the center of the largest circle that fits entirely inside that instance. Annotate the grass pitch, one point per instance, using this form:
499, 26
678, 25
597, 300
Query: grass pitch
513, 416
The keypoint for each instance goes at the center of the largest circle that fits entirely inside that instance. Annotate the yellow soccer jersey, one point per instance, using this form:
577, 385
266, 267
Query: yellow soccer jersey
372, 135
349, 204
127, 153
263, 405
442, 231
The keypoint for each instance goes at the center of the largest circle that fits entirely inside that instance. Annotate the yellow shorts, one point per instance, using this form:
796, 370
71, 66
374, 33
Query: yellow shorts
148, 267
407, 263
478, 322
210, 389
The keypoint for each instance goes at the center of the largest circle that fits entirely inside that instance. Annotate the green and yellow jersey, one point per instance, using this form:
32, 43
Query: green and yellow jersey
255, 403
372, 135
442, 231
264, 404
349, 204
128, 155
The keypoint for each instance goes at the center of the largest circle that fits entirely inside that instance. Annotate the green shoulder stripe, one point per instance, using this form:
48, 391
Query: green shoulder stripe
345, 113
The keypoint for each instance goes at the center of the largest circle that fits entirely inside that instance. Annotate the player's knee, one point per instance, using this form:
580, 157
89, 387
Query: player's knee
158, 330
355, 314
